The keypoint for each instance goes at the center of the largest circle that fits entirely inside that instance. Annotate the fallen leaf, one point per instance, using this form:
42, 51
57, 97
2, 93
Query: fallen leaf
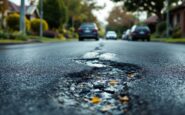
95, 100
106, 108
124, 99
125, 110
113, 82
131, 75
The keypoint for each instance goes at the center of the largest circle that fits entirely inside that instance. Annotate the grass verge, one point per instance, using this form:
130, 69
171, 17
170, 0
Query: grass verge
34, 39
169, 40
11, 41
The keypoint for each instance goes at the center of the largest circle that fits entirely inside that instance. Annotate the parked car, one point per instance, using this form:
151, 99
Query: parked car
88, 31
140, 33
111, 35
126, 35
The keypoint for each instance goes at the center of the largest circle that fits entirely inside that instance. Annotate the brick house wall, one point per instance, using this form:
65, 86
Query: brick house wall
178, 18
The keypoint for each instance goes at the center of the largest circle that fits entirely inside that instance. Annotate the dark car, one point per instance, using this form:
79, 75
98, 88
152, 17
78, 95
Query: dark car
140, 33
88, 31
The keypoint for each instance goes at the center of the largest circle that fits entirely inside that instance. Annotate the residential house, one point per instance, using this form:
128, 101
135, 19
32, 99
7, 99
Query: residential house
31, 11
152, 22
177, 17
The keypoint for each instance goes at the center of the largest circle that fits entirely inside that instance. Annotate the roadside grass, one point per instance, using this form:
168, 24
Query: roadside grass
48, 40
4, 41
169, 40
34, 39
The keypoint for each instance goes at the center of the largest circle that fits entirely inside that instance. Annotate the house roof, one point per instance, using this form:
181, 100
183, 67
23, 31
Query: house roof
151, 19
31, 9
15, 8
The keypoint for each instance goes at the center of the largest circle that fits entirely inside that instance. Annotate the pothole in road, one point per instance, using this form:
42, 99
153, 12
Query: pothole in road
104, 89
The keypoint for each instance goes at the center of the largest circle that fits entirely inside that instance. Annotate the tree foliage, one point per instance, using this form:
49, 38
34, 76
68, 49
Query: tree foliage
55, 13
80, 11
3, 5
3, 8
68, 12
120, 18
151, 6
13, 21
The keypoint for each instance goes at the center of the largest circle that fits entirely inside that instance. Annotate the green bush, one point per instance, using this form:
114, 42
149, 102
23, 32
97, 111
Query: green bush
161, 29
101, 32
177, 33
35, 25
4, 35
17, 36
76, 35
72, 29
12, 36
13, 21
69, 34
20, 37
61, 37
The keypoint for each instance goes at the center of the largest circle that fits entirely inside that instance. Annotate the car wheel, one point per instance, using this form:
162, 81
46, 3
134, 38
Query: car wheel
148, 39
134, 39
81, 39
96, 39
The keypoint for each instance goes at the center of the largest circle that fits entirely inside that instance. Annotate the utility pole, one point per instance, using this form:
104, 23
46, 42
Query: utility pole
167, 19
41, 18
22, 16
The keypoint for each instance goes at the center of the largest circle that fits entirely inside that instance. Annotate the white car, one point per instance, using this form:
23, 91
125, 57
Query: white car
111, 35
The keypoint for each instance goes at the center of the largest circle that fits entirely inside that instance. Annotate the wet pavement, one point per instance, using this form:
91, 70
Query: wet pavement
105, 77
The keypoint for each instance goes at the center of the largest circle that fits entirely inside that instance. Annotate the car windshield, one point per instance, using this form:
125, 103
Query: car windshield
142, 28
90, 26
111, 32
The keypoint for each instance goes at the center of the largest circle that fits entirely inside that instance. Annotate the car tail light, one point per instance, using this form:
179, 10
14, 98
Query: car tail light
80, 30
95, 30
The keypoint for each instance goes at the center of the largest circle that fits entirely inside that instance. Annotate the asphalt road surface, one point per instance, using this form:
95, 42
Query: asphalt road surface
33, 76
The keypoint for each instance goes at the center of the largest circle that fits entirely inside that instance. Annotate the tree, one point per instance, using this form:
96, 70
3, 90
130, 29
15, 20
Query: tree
80, 11
55, 13
3, 8
151, 6
120, 19
74, 10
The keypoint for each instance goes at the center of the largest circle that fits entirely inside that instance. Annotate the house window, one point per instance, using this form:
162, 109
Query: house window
178, 18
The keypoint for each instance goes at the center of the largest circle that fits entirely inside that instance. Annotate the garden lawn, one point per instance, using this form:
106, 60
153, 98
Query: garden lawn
169, 40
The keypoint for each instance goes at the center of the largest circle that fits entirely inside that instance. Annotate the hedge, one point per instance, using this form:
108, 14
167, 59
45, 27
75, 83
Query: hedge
35, 25
13, 21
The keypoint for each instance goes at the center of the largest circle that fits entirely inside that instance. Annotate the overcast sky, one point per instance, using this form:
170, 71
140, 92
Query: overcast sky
104, 13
